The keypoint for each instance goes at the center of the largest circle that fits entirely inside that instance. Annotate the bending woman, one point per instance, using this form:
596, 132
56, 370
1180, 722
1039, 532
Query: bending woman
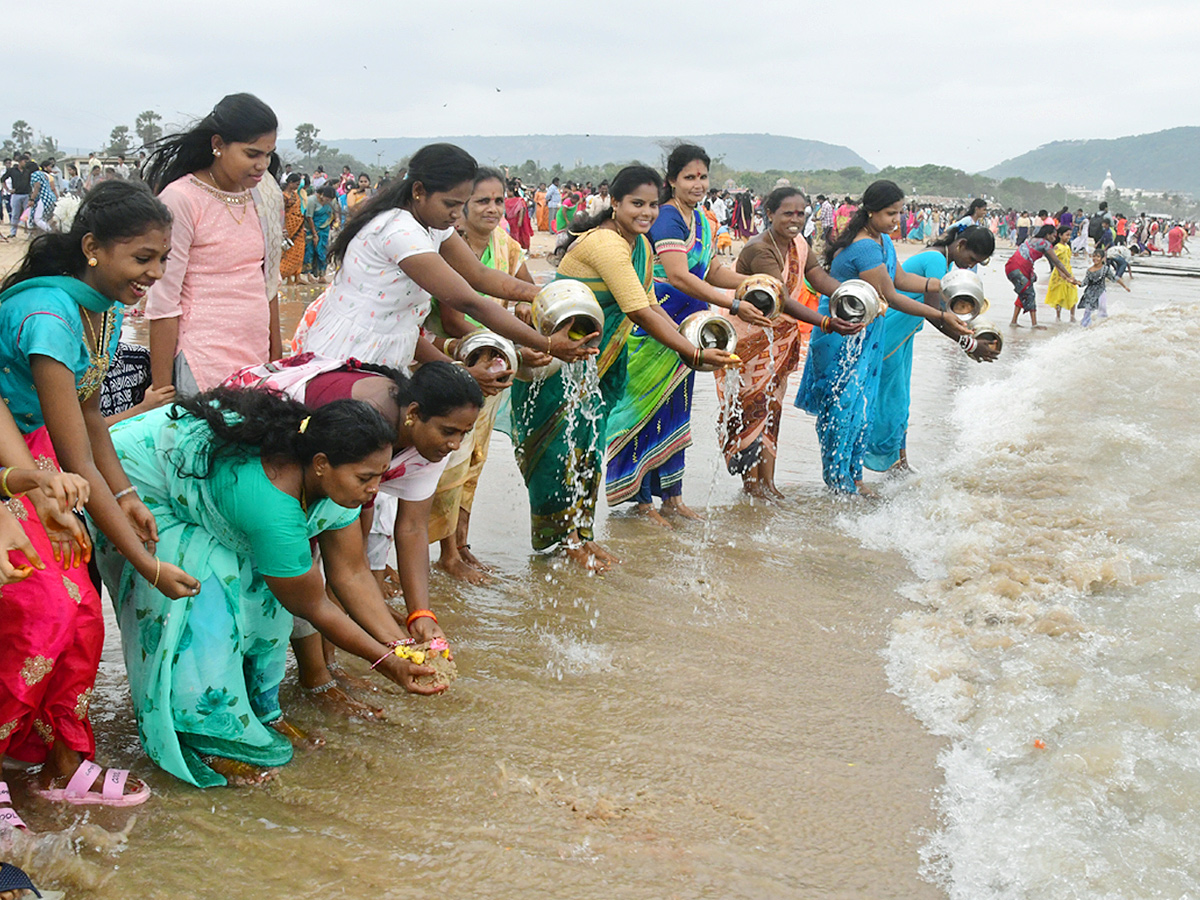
430, 416
560, 430
841, 374
240, 481
399, 249
770, 355
451, 517
887, 438
651, 427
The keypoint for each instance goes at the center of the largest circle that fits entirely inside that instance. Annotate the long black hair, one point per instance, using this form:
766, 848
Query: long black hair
628, 180
238, 118
980, 240
437, 167
879, 195
346, 431
111, 211
681, 156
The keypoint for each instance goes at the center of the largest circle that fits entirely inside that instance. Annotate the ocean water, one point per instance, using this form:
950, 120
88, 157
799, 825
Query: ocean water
1053, 537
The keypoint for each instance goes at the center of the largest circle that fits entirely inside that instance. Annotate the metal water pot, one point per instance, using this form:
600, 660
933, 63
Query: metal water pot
709, 331
986, 331
570, 302
764, 293
963, 293
473, 345
855, 301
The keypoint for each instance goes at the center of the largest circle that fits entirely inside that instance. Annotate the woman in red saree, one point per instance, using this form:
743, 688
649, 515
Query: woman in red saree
517, 213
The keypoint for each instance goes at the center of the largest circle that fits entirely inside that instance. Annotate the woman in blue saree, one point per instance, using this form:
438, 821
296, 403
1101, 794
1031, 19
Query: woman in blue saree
963, 248
651, 427
841, 375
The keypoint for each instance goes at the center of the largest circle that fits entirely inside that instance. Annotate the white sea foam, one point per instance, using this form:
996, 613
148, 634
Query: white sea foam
1055, 642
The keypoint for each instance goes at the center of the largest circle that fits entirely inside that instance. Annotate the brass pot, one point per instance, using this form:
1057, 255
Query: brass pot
855, 301
986, 331
764, 293
480, 341
709, 331
962, 291
568, 302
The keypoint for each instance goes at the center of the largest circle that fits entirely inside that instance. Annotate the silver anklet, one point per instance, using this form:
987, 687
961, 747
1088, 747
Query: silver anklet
322, 688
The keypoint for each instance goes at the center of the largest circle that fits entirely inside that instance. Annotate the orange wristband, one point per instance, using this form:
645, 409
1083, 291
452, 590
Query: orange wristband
419, 614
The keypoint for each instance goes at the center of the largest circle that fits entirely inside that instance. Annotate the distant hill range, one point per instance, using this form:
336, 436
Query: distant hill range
1162, 161
754, 152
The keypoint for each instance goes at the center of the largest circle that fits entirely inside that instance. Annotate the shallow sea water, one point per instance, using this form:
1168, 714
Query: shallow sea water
808, 699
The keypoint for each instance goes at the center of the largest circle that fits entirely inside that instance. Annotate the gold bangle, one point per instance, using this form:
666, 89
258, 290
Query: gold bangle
157, 572
549, 343
4, 483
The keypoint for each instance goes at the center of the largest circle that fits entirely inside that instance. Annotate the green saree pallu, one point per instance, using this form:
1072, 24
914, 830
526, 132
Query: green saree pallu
559, 426
204, 671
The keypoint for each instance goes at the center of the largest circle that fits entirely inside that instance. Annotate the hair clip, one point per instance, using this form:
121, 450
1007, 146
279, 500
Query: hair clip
304, 424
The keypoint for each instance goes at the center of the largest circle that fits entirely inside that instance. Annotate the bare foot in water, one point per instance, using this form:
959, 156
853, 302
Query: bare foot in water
238, 773
866, 491
457, 567
652, 515
591, 556
676, 507
773, 491
464, 550
335, 701
300, 739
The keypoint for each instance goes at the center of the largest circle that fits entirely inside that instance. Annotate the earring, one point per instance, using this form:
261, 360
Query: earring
408, 421
92, 261
216, 152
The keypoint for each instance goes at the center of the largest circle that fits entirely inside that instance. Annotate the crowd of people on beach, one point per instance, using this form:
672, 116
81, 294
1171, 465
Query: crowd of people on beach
246, 491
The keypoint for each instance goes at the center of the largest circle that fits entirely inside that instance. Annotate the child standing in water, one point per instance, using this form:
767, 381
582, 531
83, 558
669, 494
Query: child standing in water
1019, 270
1061, 293
1094, 283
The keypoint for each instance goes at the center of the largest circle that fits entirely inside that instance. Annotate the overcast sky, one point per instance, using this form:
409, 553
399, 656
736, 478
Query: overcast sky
960, 83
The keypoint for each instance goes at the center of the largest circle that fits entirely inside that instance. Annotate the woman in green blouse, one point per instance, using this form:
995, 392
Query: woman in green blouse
239, 483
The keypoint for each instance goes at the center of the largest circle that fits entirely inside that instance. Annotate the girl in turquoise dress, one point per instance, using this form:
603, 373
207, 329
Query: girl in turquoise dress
240, 482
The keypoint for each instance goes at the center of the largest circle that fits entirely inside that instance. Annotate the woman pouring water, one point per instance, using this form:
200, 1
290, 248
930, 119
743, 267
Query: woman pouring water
841, 374
559, 426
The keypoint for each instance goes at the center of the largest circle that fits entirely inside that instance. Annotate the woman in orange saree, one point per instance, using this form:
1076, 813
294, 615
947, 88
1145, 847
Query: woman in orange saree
769, 357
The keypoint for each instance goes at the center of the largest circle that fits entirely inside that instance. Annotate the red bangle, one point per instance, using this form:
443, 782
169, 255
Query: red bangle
419, 614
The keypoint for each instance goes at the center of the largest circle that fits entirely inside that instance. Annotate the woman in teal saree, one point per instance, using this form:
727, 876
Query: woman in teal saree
560, 421
240, 482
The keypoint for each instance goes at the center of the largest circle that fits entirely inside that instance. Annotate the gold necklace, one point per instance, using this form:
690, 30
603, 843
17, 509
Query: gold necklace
691, 220
228, 199
98, 361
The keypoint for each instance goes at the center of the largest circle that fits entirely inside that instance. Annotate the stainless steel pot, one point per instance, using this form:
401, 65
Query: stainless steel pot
986, 331
855, 301
568, 302
471, 347
764, 293
709, 331
962, 290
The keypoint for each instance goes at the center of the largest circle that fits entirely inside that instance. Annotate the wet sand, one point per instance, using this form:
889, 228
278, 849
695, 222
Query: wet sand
712, 719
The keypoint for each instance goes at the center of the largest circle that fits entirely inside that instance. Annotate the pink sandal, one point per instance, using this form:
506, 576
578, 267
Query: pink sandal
78, 791
8, 815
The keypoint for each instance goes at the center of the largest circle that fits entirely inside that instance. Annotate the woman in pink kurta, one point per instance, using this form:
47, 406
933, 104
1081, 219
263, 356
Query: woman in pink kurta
215, 310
